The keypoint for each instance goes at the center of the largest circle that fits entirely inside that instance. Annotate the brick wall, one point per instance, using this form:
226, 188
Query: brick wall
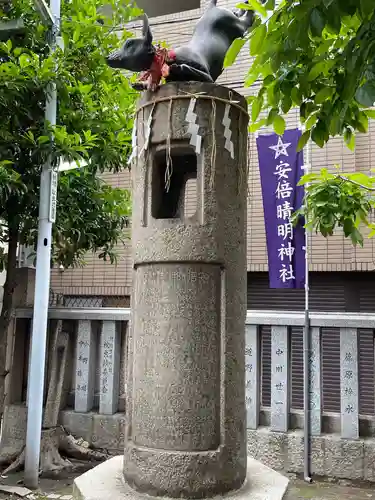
333, 254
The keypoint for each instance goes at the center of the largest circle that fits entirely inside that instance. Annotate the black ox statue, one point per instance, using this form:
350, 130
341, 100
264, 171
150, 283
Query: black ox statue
199, 60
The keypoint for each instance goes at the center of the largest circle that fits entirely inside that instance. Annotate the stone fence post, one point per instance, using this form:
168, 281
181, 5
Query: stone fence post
186, 432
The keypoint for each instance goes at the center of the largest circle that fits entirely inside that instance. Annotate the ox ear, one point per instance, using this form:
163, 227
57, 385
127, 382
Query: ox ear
213, 3
147, 35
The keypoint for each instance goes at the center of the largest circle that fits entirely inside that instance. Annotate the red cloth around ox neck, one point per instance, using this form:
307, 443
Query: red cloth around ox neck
159, 67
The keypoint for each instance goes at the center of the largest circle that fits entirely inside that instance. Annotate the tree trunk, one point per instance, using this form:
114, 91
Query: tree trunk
57, 445
7, 309
52, 463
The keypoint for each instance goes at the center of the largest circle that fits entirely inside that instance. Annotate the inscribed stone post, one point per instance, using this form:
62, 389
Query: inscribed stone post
280, 379
252, 370
315, 383
110, 345
186, 433
85, 364
349, 383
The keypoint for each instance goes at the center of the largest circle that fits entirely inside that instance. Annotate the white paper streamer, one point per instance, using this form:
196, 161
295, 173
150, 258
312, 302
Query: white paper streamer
193, 130
147, 132
133, 155
227, 132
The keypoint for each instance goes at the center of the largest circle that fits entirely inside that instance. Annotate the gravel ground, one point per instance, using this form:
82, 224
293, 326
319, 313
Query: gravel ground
299, 490
48, 487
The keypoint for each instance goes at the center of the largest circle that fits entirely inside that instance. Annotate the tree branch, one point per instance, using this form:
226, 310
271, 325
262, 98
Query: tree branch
345, 179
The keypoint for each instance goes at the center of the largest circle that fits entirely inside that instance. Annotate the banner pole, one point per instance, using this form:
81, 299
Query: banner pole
307, 340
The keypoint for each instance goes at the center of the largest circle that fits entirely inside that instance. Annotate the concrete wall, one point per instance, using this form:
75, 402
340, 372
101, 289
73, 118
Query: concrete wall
332, 456
343, 440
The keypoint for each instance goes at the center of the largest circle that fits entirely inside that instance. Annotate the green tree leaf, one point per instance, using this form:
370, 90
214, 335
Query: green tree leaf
324, 94
365, 95
254, 127
356, 237
279, 125
271, 116
310, 122
256, 108
317, 22
303, 140
366, 7
254, 5
270, 4
316, 70
233, 51
296, 96
257, 38
317, 136
349, 138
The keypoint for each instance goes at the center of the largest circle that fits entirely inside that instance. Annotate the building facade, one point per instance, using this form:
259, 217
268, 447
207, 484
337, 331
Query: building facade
335, 255
341, 275
342, 301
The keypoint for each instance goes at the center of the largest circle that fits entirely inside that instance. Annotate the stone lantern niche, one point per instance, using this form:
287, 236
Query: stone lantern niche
185, 435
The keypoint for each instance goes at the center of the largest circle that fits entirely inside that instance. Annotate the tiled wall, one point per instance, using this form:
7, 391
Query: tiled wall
98, 277
333, 254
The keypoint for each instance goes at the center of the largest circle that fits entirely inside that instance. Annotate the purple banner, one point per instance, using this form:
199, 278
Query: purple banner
281, 168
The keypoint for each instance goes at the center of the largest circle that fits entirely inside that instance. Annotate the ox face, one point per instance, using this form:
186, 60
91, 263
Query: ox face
137, 54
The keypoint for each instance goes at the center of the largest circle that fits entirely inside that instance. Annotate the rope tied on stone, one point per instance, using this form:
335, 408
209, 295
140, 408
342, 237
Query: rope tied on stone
214, 100
189, 96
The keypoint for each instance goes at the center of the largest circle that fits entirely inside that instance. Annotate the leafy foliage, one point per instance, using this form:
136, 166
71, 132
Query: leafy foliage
338, 201
317, 56
95, 115
97, 223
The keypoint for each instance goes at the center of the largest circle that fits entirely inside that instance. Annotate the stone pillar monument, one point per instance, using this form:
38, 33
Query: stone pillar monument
186, 433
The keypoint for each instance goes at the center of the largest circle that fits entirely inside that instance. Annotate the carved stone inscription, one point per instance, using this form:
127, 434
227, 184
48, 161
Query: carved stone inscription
252, 393
315, 383
349, 383
110, 345
85, 376
176, 363
280, 379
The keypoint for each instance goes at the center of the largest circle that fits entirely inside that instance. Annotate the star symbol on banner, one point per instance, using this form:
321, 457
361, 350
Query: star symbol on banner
280, 148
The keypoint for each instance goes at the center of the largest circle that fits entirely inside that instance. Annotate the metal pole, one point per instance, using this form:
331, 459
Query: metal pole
307, 345
41, 297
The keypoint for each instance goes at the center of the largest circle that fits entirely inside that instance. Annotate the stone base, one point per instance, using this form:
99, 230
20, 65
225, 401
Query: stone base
331, 456
106, 482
